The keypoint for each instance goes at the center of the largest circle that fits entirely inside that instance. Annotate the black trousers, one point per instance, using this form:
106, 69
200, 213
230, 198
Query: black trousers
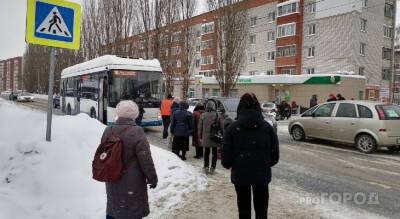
260, 199
166, 120
199, 152
207, 157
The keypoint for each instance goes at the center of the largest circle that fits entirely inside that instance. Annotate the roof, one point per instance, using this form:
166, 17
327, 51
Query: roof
109, 62
288, 79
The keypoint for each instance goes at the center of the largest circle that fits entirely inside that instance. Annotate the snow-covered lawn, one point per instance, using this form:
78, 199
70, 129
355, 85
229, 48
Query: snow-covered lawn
54, 180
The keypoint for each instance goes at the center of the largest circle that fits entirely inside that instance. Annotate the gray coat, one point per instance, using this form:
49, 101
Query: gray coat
127, 198
206, 120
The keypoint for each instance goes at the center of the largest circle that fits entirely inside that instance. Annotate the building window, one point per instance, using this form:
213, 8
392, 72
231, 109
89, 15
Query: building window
207, 60
175, 50
271, 56
198, 48
207, 28
388, 10
234, 93
288, 9
311, 51
215, 92
310, 71
362, 48
311, 29
197, 63
191, 93
252, 39
198, 33
387, 31
287, 30
176, 36
271, 36
386, 74
386, 54
252, 73
176, 63
364, 3
361, 71
363, 24
271, 16
312, 7
286, 51
270, 72
253, 21
288, 71
206, 44
252, 58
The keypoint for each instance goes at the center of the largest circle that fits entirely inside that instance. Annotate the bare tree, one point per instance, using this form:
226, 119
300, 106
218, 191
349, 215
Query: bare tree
187, 8
231, 35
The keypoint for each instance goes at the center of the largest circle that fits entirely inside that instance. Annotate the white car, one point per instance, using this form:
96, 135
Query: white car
25, 97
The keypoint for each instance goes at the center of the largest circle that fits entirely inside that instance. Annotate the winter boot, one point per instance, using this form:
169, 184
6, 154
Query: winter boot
212, 170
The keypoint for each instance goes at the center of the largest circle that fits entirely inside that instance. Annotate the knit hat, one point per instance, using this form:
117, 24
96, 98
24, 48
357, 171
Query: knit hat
127, 109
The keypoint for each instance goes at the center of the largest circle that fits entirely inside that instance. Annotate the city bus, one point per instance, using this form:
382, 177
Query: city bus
95, 87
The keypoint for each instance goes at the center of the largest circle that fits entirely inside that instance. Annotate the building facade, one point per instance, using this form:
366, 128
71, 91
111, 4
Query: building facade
297, 37
11, 74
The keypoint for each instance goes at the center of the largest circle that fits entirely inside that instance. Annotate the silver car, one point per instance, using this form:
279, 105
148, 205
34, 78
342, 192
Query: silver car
369, 125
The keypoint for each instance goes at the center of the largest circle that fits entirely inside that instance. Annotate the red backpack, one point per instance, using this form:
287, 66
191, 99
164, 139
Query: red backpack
107, 165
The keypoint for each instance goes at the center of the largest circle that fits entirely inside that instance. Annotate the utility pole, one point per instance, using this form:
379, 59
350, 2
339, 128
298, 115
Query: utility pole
50, 93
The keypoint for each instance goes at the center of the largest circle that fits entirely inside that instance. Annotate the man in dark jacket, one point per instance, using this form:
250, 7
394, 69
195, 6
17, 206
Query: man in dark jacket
182, 127
250, 149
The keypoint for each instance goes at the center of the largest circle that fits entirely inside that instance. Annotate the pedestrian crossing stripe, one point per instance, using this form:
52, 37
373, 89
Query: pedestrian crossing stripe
54, 23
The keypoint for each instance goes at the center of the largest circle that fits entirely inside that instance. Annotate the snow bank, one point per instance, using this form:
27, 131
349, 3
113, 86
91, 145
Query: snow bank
53, 180
41, 96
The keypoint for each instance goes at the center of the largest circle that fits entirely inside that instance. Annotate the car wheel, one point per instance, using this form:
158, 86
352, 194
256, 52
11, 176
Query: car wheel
298, 133
394, 149
366, 143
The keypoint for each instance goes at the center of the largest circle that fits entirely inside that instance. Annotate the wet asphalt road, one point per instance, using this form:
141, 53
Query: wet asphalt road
327, 172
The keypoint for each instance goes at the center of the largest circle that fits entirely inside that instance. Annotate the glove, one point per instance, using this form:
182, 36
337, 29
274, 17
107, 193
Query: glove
152, 186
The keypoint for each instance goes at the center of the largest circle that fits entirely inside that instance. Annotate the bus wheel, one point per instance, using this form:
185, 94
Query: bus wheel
69, 109
93, 113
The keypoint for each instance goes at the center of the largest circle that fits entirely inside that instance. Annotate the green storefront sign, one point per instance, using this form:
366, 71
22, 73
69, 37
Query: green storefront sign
244, 81
323, 80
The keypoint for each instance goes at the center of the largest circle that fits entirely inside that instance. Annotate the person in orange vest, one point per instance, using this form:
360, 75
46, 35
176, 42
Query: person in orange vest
165, 109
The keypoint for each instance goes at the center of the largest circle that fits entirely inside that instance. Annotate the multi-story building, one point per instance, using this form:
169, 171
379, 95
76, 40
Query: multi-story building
11, 74
308, 37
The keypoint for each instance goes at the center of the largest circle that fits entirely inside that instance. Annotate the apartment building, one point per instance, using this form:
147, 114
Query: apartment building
11, 74
306, 37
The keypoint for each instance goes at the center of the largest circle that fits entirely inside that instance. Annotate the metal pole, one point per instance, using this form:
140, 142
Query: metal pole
393, 74
50, 93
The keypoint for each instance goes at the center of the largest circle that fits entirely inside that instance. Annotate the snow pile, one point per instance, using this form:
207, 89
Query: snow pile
41, 96
53, 180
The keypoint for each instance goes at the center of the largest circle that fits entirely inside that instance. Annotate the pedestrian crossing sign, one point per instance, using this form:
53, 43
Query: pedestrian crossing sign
54, 23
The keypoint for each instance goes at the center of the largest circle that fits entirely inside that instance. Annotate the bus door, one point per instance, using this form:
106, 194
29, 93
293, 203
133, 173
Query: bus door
103, 89
77, 99
63, 91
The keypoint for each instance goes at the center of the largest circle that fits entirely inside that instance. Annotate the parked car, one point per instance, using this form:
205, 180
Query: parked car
194, 101
6, 94
25, 97
228, 107
269, 107
56, 101
14, 95
369, 125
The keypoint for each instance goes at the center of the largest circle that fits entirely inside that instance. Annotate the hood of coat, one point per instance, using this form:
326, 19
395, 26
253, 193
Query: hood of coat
183, 105
250, 118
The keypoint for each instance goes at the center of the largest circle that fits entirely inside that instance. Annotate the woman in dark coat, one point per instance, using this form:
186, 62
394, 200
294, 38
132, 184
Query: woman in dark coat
181, 128
313, 101
250, 149
198, 110
127, 198
206, 120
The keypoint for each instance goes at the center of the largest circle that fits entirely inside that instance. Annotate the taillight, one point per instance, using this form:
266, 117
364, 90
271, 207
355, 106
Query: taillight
381, 113
382, 130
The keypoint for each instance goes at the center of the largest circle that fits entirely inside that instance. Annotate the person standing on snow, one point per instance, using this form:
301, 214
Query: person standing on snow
313, 101
182, 128
165, 110
207, 119
250, 149
175, 105
197, 112
127, 197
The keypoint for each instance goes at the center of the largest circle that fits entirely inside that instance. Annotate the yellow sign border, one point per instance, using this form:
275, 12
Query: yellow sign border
30, 25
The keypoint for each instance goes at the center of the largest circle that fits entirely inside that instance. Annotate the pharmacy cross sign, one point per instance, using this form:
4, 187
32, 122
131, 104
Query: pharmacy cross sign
53, 23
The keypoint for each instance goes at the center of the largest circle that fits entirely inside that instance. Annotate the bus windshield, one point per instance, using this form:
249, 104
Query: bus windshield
140, 86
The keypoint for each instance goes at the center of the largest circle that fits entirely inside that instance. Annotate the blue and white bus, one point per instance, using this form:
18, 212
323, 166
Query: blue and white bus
95, 87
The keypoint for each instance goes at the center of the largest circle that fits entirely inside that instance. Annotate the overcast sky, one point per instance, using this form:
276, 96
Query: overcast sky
12, 26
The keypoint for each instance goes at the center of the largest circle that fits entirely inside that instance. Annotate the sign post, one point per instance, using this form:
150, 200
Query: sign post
56, 24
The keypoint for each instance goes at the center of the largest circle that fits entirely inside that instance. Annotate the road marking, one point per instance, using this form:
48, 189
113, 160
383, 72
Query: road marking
381, 185
367, 168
